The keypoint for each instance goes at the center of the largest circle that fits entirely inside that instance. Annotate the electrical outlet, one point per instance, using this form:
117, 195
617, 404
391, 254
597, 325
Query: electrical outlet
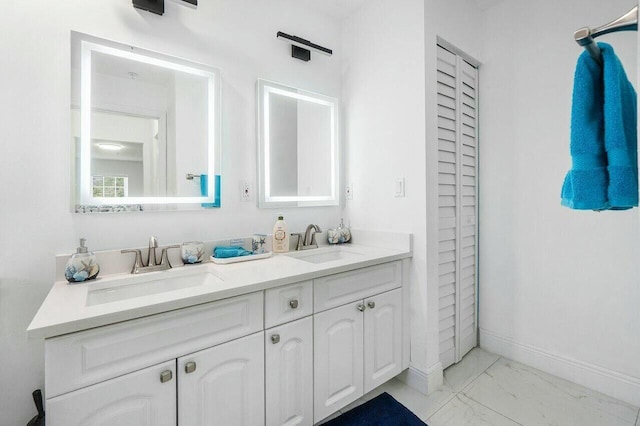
245, 191
349, 192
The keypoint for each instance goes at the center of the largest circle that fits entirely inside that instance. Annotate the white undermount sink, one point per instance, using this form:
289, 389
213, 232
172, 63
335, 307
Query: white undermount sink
141, 285
324, 254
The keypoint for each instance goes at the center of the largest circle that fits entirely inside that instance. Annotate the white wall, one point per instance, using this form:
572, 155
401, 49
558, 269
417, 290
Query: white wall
236, 35
389, 96
558, 288
384, 110
191, 111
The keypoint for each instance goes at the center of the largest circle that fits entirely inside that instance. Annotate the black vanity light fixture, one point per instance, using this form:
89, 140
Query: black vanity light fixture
300, 47
156, 6
153, 6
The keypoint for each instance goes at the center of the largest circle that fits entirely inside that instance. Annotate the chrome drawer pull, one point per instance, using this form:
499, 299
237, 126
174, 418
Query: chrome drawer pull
166, 376
293, 303
190, 367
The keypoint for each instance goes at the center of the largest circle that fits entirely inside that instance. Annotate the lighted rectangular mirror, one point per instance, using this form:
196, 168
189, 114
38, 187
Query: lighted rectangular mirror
145, 128
298, 144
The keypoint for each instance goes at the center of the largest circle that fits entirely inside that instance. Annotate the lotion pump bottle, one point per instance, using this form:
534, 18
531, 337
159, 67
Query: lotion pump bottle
82, 266
280, 236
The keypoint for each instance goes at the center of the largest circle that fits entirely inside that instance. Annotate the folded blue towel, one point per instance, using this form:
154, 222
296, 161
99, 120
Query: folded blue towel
603, 137
222, 252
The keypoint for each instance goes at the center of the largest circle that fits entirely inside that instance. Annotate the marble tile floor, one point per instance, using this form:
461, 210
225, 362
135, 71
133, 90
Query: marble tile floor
486, 389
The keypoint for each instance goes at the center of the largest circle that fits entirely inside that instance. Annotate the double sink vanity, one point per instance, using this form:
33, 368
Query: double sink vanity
286, 340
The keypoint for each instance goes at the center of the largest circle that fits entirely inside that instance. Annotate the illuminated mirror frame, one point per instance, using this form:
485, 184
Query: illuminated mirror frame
88, 45
264, 90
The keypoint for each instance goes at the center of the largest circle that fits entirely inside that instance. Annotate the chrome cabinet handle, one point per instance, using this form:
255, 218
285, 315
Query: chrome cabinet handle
361, 307
275, 338
293, 303
371, 304
166, 376
190, 367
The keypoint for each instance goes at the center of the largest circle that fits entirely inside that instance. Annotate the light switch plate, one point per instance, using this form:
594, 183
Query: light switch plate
349, 192
399, 187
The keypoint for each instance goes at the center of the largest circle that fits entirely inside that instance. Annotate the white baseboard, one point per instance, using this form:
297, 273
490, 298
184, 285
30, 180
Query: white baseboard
421, 381
618, 385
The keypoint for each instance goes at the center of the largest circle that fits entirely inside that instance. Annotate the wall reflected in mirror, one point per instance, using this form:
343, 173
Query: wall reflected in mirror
298, 147
140, 123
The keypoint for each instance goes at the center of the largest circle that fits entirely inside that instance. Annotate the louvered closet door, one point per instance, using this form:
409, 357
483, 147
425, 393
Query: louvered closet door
457, 112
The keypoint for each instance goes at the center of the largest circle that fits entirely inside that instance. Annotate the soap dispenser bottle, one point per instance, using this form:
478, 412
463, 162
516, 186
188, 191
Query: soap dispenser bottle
280, 236
82, 266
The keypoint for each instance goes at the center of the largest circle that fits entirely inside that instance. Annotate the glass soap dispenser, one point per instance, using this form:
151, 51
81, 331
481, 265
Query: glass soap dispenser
82, 266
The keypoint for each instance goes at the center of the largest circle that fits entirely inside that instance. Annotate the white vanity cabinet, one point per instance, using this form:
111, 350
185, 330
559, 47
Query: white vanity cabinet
101, 376
144, 398
223, 385
357, 345
289, 373
283, 356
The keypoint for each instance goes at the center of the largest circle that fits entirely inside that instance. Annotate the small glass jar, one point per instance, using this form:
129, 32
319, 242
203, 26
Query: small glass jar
192, 252
259, 243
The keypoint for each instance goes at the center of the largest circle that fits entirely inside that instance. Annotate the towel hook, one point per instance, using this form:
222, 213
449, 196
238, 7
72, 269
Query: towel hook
584, 36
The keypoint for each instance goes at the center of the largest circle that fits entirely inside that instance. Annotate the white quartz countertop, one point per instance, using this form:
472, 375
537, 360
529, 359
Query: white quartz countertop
65, 310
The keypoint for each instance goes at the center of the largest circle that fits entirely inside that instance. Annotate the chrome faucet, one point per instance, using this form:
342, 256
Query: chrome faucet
152, 263
308, 240
151, 254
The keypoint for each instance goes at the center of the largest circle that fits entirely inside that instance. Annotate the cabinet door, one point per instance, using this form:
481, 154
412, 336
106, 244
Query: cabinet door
223, 385
382, 338
289, 373
338, 366
143, 398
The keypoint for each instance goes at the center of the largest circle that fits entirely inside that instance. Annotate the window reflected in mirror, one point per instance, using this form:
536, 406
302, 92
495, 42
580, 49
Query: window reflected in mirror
141, 122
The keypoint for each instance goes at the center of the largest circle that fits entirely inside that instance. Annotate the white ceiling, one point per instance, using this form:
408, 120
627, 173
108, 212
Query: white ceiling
486, 4
341, 9
337, 9
115, 66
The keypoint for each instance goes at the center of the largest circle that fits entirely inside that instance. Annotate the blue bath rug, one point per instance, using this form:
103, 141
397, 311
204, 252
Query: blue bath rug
382, 410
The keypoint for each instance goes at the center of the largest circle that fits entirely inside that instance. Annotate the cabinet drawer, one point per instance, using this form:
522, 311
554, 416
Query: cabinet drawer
81, 359
287, 303
339, 289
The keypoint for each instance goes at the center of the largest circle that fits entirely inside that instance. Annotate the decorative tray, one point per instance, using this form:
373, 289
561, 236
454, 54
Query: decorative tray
227, 260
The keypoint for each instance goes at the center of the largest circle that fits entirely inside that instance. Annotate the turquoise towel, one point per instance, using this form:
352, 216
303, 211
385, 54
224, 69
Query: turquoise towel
222, 252
603, 137
204, 190
620, 133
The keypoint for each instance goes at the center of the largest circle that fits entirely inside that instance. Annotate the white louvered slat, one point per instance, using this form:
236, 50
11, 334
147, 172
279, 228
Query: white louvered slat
457, 189
447, 222
446, 101
446, 313
447, 256
445, 212
446, 280
447, 245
